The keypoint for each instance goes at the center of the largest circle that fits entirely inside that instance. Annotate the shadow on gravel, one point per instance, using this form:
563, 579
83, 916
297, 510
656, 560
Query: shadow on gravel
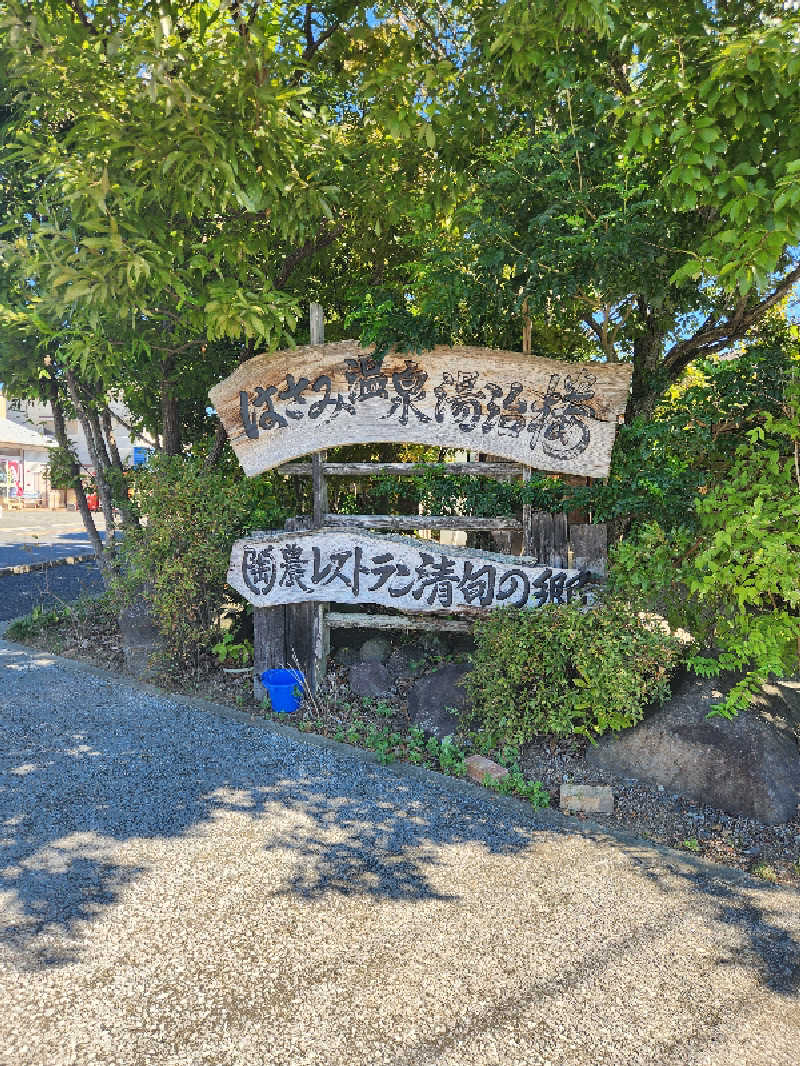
776, 949
83, 769
50, 588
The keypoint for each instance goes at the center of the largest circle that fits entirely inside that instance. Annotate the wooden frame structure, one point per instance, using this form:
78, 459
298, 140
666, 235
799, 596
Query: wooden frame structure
299, 634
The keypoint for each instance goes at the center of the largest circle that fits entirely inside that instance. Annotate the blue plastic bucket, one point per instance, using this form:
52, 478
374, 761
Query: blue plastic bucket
285, 688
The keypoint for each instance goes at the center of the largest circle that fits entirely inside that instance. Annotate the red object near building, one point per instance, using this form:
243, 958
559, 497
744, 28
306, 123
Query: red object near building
93, 501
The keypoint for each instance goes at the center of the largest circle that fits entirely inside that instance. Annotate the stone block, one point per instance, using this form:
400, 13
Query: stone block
478, 767
141, 639
586, 799
375, 650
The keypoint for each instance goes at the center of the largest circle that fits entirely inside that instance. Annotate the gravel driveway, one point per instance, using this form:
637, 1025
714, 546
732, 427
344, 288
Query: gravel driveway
182, 889
20, 593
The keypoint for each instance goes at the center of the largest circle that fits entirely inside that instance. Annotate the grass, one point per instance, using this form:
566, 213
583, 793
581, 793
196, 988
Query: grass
765, 872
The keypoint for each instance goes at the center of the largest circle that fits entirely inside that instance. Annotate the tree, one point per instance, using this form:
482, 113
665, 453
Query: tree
642, 181
181, 163
694, 166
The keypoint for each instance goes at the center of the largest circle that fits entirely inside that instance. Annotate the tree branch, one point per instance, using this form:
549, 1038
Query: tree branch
313, 47
311, 246
713, 338
77, 10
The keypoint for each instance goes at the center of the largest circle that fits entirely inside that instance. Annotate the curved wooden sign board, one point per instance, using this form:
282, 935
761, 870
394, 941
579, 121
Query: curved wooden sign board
547, 414
353, 567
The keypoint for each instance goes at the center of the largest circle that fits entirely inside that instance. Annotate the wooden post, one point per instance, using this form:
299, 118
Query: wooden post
300, 622
269, 644
319, 484
320, 637
558, 554
319, 487
590, 548
528, 523
320, 645
317, 318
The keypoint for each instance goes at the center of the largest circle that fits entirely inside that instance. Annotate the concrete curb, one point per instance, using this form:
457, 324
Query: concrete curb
547, 819
29, 568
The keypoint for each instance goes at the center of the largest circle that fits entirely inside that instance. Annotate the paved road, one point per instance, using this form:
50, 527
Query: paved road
36, 536
183, 889
20, 593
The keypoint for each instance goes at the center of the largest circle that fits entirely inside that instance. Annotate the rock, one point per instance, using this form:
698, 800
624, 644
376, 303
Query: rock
435, 701
415, 651
375, 650
345, 656
400, 664
370, 679
748, 766
479, 767
141, 639
587, 799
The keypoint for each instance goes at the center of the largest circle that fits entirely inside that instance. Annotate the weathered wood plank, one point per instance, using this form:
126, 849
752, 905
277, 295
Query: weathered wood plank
558, 554
483, 469
589, 545
269, 643
354, 567
409, 523
299, 619
547, 414
357, 620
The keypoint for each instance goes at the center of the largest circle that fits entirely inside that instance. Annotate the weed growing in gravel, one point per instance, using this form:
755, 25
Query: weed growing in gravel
516, 784
37, 621
691, 844
765, 872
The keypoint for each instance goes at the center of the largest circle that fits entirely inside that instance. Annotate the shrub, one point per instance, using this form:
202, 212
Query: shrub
179, 560
562, 669
734, 580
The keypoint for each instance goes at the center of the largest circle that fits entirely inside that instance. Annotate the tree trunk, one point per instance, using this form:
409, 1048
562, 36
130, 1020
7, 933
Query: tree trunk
100, 460
648, 383
80, 496
217, 448
129, 519
170, 425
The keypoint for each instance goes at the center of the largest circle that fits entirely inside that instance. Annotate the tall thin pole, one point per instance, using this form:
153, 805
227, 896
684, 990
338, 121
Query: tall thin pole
528, 519
319, 484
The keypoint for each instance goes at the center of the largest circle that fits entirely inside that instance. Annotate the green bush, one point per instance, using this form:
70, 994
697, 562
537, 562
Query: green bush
179, 559
733, 579
562, 670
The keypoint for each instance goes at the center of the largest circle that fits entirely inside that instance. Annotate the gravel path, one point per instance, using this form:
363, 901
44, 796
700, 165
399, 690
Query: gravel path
20, 593
189, 890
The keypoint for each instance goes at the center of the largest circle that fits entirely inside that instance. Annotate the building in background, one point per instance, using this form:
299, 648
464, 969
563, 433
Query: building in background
27, 432
24, 454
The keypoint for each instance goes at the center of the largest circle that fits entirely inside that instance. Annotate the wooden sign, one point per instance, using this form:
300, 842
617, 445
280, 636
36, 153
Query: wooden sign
354, 567
546, 414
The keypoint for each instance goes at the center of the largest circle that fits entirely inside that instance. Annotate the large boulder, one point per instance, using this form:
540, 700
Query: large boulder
747, 766
436, 700
370, 679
